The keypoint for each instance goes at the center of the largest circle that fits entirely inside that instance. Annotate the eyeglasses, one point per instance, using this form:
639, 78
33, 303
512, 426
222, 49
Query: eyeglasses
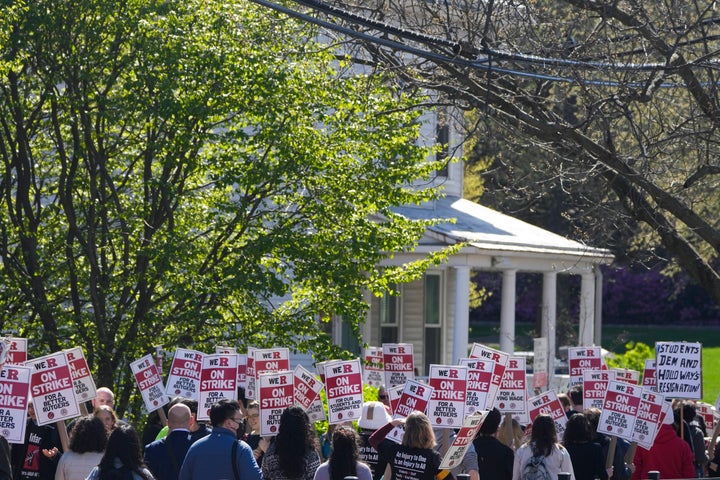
253, 415
238, 421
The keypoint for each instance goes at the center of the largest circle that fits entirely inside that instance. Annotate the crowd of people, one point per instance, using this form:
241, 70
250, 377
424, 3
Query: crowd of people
103, 447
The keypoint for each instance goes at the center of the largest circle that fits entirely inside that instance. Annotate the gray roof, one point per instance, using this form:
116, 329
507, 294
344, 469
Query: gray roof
489, 229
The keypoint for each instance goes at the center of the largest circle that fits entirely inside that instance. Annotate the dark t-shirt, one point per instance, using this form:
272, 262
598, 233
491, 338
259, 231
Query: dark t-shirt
409, 463
371, 457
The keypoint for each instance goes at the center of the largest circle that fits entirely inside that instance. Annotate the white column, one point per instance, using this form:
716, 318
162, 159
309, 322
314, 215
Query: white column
587, 308
549, 317
461, 326
507, 311
598, 305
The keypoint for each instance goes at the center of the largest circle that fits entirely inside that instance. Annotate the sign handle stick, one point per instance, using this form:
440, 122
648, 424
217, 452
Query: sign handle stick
446, 441
713, 441
630, 454
62, 431
159, 363
163, 417
611, 452
83, 408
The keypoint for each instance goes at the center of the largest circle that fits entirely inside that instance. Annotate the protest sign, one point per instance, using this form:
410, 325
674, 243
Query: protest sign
242, 370
649, 379
14, 393
595, 383
626, 375
373, 370
462, 441
512, 394
540, 362
678, 369
398, 363
480, 374
581, 359
276, 393
149, 381
4, 350
321, 366
316, 411
414, 396
708, 413
548, 404
500, 358
52, 389
225, 350
649, 418
83, 381
17, 354
184, 377
344, 391
307, 386
218, 380
250, 374
394, 394
446, 407
620, 409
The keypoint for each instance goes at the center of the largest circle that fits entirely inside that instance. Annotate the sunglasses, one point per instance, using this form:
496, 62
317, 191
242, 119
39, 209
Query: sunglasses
382, 397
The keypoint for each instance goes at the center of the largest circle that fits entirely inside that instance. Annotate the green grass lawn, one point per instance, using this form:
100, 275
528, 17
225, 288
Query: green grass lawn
615, 337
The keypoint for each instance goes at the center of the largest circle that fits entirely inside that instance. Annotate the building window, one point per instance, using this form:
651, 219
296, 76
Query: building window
389, 324
433, 320
348, 341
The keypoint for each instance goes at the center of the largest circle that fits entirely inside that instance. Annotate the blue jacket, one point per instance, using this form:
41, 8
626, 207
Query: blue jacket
209, 458
164, 457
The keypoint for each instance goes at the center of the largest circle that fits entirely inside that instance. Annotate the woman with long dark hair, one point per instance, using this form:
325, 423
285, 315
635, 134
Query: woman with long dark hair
122, 456
87, 445
344, 458
542, 450
292, 454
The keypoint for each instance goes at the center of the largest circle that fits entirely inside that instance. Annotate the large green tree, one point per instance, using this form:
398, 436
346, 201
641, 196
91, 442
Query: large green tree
621, 96
192, 173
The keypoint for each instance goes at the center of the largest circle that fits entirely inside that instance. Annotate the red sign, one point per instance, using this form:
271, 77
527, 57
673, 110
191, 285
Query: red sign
218, 380
307, 386
82, 378
398, 363
15, 388
52, 389
446, 407
414, 396
276, 394
343, 385
501, 359
620, 409
581, 359
149, 381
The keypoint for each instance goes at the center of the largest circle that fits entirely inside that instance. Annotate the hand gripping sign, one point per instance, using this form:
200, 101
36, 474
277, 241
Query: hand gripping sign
548, 404
679, 369
218, 380
307, 386
620, 409
581, 359
398, 363
276, 393
149, 381
83, 381
446, 407
480, 373
462, 441
14, 392
52, 389
343, 385
184, 377
501, 359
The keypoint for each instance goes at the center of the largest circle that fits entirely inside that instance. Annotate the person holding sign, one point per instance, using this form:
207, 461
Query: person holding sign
670, 455
414, 459
292, 454
38, 457
542, 449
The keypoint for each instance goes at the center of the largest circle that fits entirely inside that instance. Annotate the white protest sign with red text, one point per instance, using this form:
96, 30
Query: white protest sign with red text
52, 389
307, 386
398, 363
595, 383
620, 409
242, 370
184, 377
343, 385
149, 382
581, 359
394, 395
462, 441
626, 375
83, 381
373, 370
649, 379
17, 354
218, 380
540, 362
275, 359
678, 369
548, 404
512, 394
15, 390
414, 396
250, 374
707, 412
649, 418
276, 393
500, 358
446, 407
480, 374
316, 411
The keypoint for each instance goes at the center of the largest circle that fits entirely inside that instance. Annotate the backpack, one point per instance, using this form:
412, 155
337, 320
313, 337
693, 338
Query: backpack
535, 469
